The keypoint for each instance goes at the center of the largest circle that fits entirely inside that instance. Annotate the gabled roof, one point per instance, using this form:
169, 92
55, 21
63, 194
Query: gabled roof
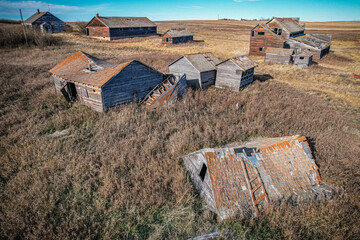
279, 51
180, 32
285, 166
243, 62
203, 62
35, 17
304, 52
75, 69
289, 24
125, 22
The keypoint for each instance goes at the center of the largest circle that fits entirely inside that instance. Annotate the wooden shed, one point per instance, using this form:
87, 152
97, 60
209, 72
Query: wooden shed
102, 85
112, 28
302, 58
200, 69
235, 73
45, 21
176, 36
279, 55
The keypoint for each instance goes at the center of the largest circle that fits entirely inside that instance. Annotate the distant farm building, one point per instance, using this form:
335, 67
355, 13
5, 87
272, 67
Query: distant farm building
235, 73
200, 69
278, 55
243, 180
176, 36
112, 28
287, 33
45, 21
102, 85
302, 58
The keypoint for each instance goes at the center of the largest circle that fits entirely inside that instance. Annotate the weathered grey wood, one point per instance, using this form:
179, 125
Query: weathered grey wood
132, 84
184, 66
46, 23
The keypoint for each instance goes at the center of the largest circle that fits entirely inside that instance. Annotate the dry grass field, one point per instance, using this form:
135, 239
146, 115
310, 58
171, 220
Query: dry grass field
119, 174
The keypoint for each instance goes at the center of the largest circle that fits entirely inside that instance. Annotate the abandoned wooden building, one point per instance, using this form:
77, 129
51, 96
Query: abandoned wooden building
102, 85
200, 69
279, 55
45, 21
287, 33
243, 180
302, 58
112, 28
235, 73
176, 36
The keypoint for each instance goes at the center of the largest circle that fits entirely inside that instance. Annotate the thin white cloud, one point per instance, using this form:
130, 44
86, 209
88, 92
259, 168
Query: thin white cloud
8, 8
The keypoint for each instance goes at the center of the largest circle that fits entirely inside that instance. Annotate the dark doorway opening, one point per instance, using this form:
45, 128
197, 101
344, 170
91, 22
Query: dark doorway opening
87, 32
203, 172
71, 90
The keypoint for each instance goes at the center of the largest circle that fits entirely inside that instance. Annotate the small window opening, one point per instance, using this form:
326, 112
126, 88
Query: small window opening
279, 31
261, 49
166, 39
252, 33
261, 33
203, 172
302, 58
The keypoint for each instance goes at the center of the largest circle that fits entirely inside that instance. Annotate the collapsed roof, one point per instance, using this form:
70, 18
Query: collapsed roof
312, 41
242, 180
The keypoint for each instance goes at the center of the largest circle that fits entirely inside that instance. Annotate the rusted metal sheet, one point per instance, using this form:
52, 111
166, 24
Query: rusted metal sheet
167, 91
246, 178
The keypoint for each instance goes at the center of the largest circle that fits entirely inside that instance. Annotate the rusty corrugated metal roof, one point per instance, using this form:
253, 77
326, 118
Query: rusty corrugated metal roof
276, 168
75, 68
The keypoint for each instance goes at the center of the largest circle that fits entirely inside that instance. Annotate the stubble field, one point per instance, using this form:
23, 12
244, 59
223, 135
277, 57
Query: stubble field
119, 174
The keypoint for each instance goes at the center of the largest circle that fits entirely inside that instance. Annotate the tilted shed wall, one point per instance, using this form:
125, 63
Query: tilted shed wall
131, 84
118, 33
207, 78
228, 76
263, 41
307, 61
183, 66
271, 58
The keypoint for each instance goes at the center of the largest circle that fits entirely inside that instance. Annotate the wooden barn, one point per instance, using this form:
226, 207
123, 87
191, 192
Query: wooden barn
200, 69
279, 55
302, 58
287, 33
235, 73
112, 28
102, 85
45, 21
246, 178
176, 36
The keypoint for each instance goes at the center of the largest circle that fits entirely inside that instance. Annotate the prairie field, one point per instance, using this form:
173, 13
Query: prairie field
119, 174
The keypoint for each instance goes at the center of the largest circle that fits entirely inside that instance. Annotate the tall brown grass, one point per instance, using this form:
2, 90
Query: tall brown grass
13, 36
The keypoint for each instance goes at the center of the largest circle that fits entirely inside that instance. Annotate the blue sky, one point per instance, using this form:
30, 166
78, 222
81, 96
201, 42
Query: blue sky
307, 10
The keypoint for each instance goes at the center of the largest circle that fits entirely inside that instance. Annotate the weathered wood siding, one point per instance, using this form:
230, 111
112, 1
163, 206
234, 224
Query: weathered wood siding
305, 62
183, 66
247, 77
133, 83
317, 53
228, 76
89, 96
194, 166
273, 24
97, 29
56, 24
118, 33
259, 43
207, 79
270, 58
168, 37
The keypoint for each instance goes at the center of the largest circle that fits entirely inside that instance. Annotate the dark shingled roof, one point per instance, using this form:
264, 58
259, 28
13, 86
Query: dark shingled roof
35, 17
125, 22
180, 32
